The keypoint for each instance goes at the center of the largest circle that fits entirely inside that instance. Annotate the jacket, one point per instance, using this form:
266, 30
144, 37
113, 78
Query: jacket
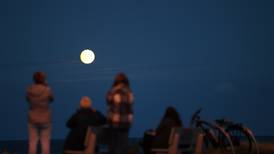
120, 102
39, 97
78, 124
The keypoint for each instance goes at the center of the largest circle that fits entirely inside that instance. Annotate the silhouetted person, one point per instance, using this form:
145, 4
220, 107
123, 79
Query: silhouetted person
39, 96
160, 137
120, 113
79, 122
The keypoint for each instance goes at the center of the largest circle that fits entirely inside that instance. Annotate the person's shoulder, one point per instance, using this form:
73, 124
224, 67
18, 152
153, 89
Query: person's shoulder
124, 89
31, 86
47, 88
34, 87
81, 112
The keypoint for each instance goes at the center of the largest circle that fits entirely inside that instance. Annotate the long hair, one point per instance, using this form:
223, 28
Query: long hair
171, 113
121, 78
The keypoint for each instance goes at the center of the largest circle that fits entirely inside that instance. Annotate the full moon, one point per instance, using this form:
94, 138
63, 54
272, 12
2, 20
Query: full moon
87, 56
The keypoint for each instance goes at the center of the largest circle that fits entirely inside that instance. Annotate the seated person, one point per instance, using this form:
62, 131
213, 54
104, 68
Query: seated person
159, 138
79, 122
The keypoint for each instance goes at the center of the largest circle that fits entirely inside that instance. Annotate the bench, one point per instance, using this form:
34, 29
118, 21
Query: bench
182, 140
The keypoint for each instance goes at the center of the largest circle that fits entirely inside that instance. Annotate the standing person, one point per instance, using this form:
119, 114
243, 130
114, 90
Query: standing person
39, 96
79, 122
120, 113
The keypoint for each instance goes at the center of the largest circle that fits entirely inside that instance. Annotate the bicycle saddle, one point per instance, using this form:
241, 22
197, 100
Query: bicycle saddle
224, 121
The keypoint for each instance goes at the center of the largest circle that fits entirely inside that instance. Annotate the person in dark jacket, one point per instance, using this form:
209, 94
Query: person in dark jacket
119, 114
79, 122
39, 97
159, 138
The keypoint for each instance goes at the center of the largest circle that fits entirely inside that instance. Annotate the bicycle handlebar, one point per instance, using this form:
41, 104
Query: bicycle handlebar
195, 116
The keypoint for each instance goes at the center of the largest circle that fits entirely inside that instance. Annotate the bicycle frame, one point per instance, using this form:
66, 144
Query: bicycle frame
217, 140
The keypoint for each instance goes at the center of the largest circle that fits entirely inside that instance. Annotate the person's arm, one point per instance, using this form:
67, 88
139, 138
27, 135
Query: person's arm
130, 97
101, 118
51, 98
109, 97
72, 122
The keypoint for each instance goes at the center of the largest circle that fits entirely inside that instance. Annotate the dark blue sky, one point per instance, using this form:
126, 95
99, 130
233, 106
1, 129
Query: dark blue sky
212, 54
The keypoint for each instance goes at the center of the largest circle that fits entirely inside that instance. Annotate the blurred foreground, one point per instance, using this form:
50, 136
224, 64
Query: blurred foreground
265, 148
21, 147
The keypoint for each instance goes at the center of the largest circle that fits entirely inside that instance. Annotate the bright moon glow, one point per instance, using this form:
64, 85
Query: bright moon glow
87, 56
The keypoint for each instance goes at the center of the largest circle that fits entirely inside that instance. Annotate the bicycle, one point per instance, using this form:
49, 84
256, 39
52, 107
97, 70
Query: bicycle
215, 137
242, 137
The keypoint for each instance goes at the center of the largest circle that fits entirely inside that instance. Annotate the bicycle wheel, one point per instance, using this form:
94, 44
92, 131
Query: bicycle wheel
243, 139
218, 141
225, 143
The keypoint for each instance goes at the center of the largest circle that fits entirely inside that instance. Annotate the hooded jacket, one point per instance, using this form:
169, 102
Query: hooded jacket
39, 97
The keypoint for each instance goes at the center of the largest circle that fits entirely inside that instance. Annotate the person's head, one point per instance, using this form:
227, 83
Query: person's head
85, 102
121, 78
172, 113
39, 78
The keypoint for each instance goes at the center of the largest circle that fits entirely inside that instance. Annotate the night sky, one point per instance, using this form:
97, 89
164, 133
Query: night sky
214, 54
